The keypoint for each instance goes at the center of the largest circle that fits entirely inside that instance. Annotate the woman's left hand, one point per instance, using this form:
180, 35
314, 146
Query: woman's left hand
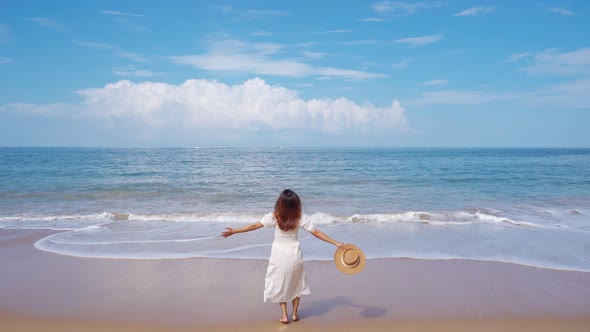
229, 232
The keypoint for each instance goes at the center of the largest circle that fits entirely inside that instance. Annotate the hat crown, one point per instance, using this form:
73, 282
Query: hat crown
350, 257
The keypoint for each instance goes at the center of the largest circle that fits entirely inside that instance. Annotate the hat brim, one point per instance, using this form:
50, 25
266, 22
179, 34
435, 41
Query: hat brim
349, 269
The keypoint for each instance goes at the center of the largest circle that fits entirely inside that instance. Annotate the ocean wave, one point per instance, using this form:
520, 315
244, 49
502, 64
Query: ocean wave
320, 218
435, 219
223, 217
446, 218
409, 245
57, 217
477, 234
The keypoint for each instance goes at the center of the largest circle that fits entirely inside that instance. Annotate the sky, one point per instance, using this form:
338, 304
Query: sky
295, 73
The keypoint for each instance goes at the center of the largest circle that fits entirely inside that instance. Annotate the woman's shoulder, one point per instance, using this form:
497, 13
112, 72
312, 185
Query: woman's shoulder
269, 220
306, 223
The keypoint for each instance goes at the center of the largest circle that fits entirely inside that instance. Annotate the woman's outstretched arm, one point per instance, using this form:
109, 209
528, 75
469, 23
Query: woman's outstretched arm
320, 235
252, 227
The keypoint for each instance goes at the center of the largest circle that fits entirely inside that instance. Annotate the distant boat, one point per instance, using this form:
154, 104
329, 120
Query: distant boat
196, 147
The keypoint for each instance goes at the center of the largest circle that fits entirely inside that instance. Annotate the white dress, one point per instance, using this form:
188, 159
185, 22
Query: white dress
285, 277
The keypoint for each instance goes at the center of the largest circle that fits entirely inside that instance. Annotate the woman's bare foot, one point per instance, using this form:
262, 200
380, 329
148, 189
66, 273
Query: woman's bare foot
284, 319
296, 308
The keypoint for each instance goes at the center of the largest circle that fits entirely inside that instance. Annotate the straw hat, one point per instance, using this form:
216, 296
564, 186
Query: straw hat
349, 259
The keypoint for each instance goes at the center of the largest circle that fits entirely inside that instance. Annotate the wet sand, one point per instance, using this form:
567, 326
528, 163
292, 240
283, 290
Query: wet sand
40, 289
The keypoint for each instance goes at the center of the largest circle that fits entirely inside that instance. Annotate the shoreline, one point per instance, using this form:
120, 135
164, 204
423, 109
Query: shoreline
219, 294
318, 253
54, 231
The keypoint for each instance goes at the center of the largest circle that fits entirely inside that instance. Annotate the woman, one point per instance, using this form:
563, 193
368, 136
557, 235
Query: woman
285, 278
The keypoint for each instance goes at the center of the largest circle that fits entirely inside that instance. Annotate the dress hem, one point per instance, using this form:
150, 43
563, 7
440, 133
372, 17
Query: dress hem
279, 301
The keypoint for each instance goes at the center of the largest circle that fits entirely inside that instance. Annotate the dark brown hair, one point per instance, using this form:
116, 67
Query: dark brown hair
288, 210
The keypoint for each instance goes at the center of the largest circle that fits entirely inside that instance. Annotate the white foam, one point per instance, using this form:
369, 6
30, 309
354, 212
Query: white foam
106, 243
495, 219
47, 245
411, 216
261, 251
196, 217
38, 228
436, 219
414, 234
320, 218
444, 218
222, 217
62, 217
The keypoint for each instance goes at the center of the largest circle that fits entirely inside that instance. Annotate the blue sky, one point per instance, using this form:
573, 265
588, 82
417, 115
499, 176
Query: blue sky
295, 73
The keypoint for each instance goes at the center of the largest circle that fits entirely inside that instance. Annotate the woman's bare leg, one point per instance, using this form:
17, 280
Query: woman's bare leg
284, 318
296, 308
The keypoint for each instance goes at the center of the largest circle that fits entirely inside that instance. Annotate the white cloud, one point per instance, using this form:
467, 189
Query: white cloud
400, 8
476, 11
131, 25
253, 105
133, 71
317, 32
46, 22
332, 31
372, 64
261, 13
313, 55
4, 60
453, 97
305, 44
357, 42
328, 72
419, 41
94, 45
435, 82
244, 63
568, 63
307, 85
561, 11
261, 33
136, 57
118, 13
125, 19
372, 19
132, 56
249, 13
573, 94
519, 56
223, 8
261, 59
402, 64
57, 109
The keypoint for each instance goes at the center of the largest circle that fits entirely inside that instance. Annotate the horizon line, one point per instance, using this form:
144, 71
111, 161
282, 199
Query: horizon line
292, 147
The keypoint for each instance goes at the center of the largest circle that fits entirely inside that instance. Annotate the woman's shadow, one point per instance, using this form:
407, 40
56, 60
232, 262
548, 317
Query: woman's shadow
321, 307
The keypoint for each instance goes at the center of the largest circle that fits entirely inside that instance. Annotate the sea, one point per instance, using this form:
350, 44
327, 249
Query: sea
526, 206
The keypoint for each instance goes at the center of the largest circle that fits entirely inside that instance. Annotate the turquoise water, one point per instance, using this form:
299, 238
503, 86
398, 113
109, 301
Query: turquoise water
526, 206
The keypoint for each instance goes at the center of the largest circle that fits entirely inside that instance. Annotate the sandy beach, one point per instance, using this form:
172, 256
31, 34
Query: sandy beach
52, 292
